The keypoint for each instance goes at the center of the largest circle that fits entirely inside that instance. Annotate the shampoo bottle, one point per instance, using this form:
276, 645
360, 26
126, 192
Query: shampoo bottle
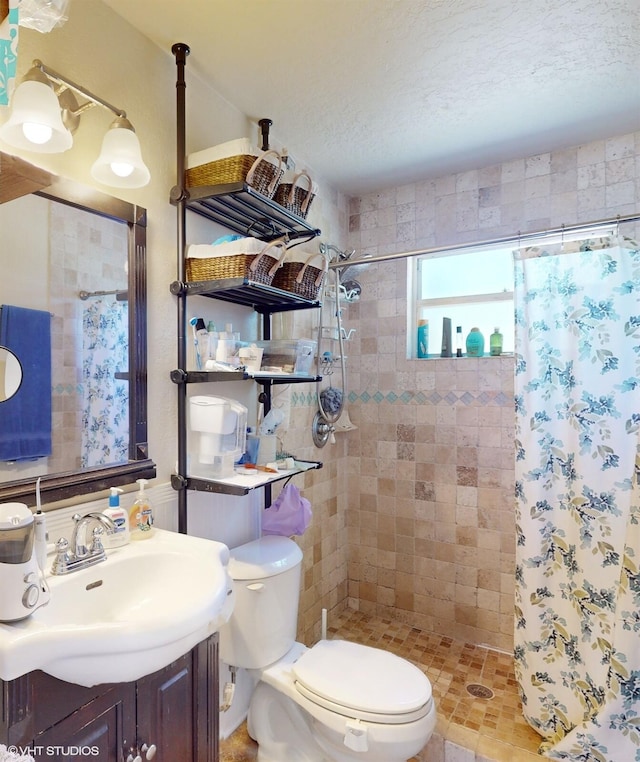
423, 338
475, 343
120, 518
141, 514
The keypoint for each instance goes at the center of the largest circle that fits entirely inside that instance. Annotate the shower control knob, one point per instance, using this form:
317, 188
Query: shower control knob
30, 596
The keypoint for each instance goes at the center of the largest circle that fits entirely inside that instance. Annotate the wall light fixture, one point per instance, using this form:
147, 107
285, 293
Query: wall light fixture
45, 113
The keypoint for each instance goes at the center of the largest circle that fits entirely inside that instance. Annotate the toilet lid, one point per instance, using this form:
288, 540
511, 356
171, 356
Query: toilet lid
337, 673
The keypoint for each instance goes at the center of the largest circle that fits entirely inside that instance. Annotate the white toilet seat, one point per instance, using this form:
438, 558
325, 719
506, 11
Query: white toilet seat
362, 682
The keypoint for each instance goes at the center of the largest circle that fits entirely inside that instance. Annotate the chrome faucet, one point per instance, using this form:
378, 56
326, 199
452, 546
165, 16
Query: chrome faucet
77, 555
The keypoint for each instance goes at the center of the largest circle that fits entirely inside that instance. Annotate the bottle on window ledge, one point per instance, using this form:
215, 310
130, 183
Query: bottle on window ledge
458, 341
423, 338
495, 343
475, 343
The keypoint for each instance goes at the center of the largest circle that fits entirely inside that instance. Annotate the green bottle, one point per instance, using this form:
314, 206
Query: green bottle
475, 343
495, 343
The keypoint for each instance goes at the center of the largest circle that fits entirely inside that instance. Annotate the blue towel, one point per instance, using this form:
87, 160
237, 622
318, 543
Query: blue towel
25, 418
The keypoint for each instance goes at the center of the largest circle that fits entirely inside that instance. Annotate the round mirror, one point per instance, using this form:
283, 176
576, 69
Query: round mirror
10, 374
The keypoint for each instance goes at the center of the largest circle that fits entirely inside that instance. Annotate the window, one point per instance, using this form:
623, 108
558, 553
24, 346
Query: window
473, 288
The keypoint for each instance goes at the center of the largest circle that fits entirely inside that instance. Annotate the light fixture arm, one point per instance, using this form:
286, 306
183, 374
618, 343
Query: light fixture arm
45, 113
67, 83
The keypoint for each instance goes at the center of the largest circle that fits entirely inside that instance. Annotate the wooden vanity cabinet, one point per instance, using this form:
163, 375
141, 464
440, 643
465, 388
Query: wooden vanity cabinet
174, 709
106, 723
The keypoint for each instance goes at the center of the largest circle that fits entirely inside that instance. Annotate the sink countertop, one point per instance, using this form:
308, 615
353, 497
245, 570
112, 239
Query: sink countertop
150, 602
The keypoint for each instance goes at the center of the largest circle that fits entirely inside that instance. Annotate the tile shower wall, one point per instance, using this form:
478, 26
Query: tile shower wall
430, 468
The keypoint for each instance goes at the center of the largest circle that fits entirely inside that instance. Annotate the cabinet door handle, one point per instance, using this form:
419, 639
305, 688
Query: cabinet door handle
148, 751
131, 758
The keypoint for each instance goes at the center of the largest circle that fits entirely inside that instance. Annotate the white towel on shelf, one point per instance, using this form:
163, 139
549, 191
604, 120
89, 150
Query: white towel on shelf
227, 249
238, 147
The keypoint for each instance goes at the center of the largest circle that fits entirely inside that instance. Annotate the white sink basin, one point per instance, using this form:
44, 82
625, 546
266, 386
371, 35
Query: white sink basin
142, 608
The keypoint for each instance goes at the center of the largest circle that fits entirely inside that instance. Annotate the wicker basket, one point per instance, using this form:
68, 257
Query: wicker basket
257, 268
294, 197
302, 278
255, 171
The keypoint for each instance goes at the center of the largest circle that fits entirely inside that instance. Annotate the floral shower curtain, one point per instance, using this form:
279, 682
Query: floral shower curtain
577, 631
105, 418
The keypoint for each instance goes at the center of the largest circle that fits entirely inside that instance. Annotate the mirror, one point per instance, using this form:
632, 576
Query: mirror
79, 259
10, 374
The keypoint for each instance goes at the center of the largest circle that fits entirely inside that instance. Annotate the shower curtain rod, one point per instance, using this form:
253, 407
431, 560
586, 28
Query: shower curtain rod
122, 294
521, 237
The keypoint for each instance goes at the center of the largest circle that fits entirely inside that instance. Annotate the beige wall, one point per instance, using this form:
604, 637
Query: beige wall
430, 486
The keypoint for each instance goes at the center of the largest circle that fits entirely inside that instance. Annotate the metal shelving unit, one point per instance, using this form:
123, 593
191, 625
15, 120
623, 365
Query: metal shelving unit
240, 484
263, 299
243, 210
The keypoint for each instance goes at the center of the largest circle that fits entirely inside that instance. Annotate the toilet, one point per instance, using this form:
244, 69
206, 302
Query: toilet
335, 702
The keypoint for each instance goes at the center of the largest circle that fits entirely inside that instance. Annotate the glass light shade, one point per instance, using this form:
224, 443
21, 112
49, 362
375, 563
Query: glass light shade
35, 123
120, 163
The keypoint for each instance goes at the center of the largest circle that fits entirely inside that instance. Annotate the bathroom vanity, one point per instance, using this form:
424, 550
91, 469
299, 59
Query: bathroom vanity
123, 660
174, 710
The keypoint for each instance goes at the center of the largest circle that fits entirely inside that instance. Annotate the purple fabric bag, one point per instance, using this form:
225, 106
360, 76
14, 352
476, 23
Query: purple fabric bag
289, 514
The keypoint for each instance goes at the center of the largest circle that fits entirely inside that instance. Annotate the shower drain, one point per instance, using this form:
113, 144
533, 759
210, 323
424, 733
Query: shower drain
479, 691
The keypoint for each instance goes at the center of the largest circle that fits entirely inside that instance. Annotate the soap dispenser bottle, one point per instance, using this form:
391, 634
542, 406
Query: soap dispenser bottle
141, 514
120, 518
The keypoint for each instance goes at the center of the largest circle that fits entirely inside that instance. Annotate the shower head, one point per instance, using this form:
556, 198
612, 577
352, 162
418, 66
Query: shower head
354, 267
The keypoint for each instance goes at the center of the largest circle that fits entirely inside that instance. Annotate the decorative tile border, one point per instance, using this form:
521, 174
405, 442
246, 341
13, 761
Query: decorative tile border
433, 398
67, 389
482, 399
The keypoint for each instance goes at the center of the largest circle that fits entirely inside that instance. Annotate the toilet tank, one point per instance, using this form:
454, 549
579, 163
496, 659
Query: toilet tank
266, 578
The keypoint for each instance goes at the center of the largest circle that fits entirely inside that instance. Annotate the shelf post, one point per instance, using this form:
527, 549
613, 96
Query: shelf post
181, 51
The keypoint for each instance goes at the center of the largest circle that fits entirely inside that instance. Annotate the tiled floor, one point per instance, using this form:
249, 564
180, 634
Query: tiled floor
469, 729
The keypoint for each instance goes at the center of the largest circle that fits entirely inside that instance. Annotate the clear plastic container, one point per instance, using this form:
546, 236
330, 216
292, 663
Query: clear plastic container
288, 355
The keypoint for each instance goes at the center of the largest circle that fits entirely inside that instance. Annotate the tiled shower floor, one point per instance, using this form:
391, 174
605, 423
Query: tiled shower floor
469, 729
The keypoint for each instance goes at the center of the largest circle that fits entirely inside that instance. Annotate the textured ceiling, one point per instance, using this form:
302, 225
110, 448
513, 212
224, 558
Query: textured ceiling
376, 93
